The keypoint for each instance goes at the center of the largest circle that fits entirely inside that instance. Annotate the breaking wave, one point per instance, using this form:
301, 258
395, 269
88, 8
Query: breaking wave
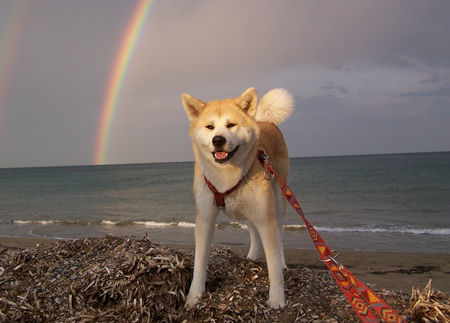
404, 230
238, 225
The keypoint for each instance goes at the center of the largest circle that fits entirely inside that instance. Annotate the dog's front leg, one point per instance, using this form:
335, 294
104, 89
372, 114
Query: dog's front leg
273, 248
204, 232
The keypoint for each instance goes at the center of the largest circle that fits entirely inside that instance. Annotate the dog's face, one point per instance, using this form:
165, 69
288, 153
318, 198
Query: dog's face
223, 131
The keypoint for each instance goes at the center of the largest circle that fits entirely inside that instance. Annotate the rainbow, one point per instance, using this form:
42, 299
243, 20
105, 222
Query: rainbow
11, 29
115, 82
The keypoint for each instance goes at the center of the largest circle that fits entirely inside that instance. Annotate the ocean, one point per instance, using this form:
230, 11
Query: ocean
395, 202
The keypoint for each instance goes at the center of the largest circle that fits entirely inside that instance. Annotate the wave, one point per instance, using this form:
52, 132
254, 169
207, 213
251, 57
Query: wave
295, 227
155, 224
36, 222
48, 222
403, 230
238, 225
109, 222
186, 224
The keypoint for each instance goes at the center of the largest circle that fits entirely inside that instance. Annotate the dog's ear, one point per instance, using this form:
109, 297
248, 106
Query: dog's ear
247, 101
192, 106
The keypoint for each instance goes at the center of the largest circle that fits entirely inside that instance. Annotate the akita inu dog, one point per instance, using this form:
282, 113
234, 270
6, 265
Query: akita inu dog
226, 137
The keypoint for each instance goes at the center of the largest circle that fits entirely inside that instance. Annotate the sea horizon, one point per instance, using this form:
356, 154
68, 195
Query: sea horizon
191, 161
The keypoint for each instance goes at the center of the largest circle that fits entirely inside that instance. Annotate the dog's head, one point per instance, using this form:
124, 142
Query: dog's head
223, 131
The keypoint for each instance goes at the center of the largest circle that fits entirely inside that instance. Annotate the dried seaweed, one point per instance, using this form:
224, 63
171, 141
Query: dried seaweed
94, 279
429, 305
114, 279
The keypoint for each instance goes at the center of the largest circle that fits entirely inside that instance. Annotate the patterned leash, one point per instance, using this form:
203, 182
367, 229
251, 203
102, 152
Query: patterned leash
363, 300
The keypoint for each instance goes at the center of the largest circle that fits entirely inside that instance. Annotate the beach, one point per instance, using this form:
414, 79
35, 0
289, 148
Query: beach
115, 243
385, 270
392, 275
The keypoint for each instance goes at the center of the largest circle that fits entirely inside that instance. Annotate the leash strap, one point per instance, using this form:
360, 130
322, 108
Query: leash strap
363, 300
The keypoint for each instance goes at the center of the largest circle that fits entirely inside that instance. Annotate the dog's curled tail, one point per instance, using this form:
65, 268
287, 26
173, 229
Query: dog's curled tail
275, 106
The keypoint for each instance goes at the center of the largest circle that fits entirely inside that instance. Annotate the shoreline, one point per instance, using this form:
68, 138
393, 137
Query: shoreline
399, 271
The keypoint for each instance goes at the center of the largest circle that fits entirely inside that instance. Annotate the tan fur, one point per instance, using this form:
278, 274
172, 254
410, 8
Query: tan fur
257, 201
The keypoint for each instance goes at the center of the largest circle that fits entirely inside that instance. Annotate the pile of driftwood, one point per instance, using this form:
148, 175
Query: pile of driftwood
125, 280
429, 305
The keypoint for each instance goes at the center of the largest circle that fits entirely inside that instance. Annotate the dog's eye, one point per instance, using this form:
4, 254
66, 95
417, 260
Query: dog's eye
210, 127
231, 125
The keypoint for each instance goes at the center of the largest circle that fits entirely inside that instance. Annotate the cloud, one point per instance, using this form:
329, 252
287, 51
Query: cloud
440, 92
317, 104
331, 86
342, 61
325, 125
394, 61
435, 77
216, 41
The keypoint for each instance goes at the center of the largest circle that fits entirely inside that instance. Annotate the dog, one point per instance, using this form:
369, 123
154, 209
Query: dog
226, 137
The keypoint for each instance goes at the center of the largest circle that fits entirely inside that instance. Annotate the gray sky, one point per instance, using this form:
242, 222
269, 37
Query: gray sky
368, 76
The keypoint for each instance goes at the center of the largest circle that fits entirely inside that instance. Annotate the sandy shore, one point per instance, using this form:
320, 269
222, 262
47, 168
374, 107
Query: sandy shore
384, 270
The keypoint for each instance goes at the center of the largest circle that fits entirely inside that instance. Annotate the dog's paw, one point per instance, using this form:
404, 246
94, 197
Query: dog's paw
276, 303
191, 300
254, 253
253, 257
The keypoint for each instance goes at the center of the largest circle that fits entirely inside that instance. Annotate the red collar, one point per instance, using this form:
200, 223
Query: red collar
218, 196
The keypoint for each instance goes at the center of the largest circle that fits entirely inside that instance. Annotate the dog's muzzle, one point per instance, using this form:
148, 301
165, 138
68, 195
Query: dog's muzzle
220, 155
219, 141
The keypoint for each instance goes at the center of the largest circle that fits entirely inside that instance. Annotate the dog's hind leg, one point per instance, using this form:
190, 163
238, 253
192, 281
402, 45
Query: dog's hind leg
204, 232
255, 250
280, 212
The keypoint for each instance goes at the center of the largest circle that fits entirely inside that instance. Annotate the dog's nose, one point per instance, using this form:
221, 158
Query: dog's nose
218, 141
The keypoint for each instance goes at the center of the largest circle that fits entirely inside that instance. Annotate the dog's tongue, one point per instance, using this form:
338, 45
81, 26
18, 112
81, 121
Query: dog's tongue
221, 154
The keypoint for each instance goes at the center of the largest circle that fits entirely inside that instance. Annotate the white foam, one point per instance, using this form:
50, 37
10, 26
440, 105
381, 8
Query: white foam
291, 227
436, 231
109, 222
44, 222
21, 222
294, 227
155, 224
238, 225
186, 224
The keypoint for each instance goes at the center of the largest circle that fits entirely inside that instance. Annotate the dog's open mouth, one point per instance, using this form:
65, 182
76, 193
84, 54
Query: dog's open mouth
221, 156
